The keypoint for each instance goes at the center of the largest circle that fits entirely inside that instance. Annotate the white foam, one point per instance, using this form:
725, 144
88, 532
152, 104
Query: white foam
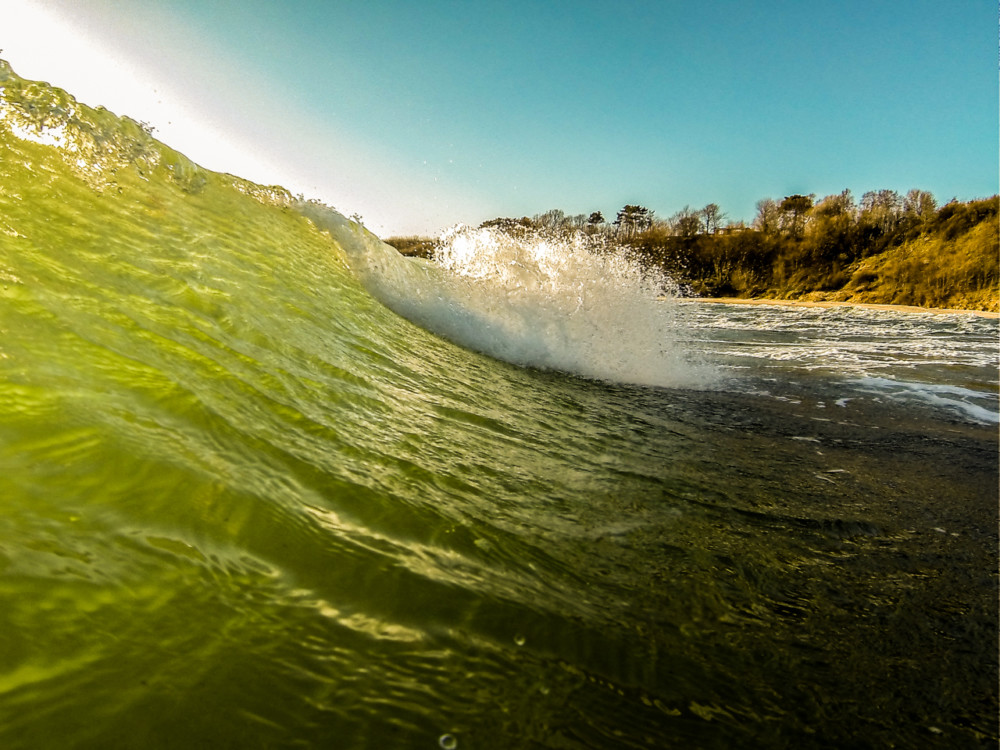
845, 340
965, 401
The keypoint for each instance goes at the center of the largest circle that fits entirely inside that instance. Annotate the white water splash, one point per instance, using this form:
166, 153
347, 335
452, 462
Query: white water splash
561, 302
557, 302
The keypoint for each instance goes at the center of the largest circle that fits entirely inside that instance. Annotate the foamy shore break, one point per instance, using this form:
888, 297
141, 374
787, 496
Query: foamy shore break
831, 303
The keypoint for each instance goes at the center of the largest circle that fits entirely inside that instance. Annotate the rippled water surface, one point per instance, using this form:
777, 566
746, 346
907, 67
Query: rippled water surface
245, 504
946, 362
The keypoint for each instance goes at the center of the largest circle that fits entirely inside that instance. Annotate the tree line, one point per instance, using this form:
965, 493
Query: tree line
886, 247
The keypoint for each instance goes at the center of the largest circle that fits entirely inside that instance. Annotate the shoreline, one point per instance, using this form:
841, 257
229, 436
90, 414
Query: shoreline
830, 303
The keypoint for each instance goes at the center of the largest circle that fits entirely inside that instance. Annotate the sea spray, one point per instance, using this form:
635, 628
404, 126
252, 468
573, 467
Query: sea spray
550, 301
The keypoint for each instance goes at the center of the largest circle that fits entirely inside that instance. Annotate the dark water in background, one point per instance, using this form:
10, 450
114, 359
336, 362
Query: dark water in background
244, 504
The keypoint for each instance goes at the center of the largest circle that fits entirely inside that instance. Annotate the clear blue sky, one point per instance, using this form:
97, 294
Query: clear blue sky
419, 115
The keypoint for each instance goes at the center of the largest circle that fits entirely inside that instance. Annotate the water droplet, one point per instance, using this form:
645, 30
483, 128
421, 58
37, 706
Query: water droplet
519, 639
448, 741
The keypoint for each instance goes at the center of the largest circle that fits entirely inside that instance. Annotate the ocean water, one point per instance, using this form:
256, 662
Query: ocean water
265, 483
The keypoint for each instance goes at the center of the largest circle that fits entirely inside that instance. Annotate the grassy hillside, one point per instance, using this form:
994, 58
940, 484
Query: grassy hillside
932, 271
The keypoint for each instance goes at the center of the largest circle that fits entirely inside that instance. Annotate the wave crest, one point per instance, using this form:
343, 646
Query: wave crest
552, 301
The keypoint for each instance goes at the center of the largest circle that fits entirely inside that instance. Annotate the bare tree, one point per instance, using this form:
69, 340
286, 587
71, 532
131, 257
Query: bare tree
686, 222
552, 219
882, 209
712, 217
768, 215
841, 204
919, 205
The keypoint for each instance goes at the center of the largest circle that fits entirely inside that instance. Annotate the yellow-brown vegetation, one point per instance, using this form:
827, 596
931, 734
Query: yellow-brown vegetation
886, 249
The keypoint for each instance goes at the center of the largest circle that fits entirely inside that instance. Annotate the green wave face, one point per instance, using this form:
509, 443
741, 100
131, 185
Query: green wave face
243, 504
